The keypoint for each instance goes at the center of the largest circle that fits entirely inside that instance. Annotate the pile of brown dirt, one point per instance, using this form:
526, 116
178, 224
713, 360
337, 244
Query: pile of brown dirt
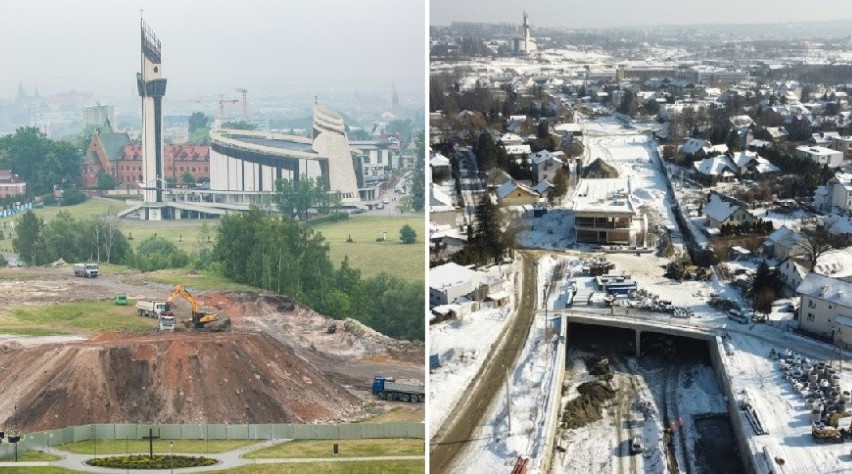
587, 407
232, 377
305, 329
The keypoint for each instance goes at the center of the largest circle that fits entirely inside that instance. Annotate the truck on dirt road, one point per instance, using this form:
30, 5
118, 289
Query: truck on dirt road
151, 309
387, 388
159, 310
86, 270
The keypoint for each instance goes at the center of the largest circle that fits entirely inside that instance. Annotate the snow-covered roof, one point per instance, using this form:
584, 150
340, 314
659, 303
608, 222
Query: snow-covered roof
765, 166
693, 145
741, 121
506, 188
511, 139
817, 150
449, 275
542, 187
542, 156
743, 158
568, 128
836, 263
439, 197
517, 149
714, 166
720, 209
603, 195
439, 160
785, 236
825, 287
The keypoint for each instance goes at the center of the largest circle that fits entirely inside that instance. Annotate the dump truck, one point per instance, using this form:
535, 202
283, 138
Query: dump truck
166, 322
151, 309
86, 270
387, 388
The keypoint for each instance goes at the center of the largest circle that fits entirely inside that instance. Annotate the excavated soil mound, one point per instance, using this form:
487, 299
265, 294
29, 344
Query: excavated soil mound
300, 326
172, 378
587, 407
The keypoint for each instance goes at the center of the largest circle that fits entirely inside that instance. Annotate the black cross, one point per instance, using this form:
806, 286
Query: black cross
150, 439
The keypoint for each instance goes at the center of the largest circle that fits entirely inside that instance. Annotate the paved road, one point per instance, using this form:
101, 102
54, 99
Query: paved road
227, 460
455, 438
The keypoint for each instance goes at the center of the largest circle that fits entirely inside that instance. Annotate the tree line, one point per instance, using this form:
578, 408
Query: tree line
284, 256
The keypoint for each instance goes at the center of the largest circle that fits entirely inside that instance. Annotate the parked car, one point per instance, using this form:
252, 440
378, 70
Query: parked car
738, 316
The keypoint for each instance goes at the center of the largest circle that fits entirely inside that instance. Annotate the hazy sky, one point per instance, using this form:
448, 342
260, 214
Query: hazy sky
602, 13
211, 46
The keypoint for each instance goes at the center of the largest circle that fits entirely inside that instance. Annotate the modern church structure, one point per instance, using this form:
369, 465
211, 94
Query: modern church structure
251, 161
244, 165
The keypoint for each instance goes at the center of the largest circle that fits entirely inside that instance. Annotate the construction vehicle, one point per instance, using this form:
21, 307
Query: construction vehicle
121, 299
166, 322
86, 270
200, 319
834, 420
823, 433
387, 388
151, 309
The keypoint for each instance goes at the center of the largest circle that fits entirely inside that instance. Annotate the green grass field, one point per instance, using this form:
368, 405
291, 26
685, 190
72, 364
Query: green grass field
347, 448
348, 467
365, 254
371, 257
34, 456
92, 317
371, 467
160, 446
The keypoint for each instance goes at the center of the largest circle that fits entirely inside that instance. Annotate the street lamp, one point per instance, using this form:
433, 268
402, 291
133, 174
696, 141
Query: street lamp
171, 459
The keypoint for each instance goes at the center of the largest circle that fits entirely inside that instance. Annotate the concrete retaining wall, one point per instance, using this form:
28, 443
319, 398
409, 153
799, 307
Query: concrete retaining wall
738, 422
555, 398
259, 432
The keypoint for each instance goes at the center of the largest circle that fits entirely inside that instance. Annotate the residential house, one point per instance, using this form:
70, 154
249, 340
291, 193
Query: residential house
716, 168
784, 242
604, 212
545, 165
449, 282
508, 139
11, 184
721, 210
826, 308
824, 139
839, 192
821, 155
439, 166
843, 145
513, 193
695, 148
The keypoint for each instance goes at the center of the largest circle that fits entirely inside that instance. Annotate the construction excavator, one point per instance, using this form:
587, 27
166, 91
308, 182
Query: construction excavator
200, 319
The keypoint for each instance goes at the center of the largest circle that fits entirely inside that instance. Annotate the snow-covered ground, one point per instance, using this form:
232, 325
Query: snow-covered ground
462, 346
494, 448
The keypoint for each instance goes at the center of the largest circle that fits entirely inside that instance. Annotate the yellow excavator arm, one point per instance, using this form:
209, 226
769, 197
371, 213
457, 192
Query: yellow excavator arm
199, 318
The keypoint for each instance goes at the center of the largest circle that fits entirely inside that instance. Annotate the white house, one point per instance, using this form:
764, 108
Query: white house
720, 211
449, 282
545, 165
826, 308
821, 155
839, 192
784, 242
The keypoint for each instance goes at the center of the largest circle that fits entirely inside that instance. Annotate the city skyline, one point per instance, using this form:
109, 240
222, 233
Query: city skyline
211, 47
622, 13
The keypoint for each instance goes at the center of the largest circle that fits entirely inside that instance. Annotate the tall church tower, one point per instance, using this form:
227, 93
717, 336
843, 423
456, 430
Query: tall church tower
152, 89
527, 45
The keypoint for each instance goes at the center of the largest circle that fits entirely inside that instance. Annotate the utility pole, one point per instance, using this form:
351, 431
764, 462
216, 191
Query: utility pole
508, 404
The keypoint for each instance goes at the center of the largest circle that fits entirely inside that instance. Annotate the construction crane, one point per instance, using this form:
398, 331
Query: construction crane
244, 92
222, 101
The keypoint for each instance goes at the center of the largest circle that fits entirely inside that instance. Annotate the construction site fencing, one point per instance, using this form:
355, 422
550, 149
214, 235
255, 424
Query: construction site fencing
260, 432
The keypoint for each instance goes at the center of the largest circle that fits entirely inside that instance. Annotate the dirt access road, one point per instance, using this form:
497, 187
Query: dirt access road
454, 440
